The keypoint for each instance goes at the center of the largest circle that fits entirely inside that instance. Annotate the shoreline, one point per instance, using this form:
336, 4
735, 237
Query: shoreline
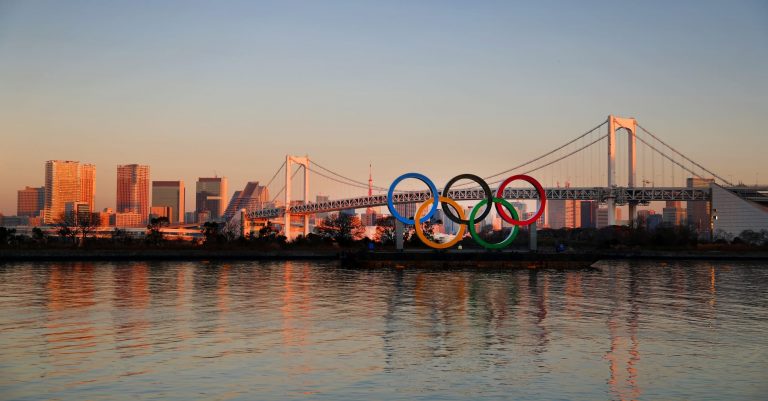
467, 255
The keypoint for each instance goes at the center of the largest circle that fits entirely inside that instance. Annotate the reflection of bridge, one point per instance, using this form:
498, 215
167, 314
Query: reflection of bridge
581, 161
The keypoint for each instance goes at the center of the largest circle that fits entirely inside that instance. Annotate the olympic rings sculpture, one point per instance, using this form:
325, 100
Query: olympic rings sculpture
447, 204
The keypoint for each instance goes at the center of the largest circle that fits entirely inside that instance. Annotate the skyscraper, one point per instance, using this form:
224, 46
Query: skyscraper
88, 185
698, 211
31, 201
170, 194
210, 196
673, 214
133, 190
588, 214
252, 197
564, 213
62, 186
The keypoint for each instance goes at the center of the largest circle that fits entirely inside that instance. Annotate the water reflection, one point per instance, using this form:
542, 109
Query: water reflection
292, 329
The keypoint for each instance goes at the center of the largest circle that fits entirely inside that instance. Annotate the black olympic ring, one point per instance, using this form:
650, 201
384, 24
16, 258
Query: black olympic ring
488, 194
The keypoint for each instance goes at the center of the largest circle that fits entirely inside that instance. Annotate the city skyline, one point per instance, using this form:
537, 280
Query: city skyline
200, 94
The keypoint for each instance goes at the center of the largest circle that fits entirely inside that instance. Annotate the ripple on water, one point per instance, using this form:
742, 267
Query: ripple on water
298, 330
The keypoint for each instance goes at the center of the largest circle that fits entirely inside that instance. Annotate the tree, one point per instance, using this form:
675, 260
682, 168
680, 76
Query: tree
385, 230
66, 227
154, 233
6, 235
231, 230
756, 238
343, 228
72, 226
212, 232
38, 235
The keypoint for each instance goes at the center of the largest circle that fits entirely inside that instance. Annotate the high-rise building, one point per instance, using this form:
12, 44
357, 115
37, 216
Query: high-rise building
211, 196
160, 211
31, 201
253, 197
407, 210
62, 186
602, 216
564, 213
133, 190
78, 212
673, 214
128, 219
522, 210
320, 199
170, 194
589, 214
698, 211
88, 185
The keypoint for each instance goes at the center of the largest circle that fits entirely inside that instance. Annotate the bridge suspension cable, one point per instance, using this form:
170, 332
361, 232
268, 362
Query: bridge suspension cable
359, 183
275, 175
562, 157
682, 155
674, 161
283, 188
363, 186
519, 166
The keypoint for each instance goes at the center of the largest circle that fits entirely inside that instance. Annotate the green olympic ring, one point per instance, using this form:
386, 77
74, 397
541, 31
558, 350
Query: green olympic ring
499, 245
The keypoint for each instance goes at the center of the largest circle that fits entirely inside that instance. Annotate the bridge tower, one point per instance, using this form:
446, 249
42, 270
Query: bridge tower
630, 125
302, 161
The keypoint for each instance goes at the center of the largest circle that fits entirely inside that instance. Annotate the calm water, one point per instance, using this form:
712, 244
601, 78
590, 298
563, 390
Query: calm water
308, 330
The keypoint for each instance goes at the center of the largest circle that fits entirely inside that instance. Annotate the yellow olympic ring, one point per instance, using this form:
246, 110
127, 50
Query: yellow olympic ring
420, 230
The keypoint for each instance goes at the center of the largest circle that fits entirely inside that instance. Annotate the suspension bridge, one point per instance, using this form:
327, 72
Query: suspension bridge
587, 166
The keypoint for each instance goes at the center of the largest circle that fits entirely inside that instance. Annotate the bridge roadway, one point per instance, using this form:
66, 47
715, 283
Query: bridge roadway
622, 195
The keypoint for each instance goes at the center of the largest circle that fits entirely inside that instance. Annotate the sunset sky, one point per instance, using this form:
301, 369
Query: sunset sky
441, 87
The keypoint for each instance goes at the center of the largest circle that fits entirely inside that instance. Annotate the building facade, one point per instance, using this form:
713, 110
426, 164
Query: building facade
673, 213
698, 211
30, 201
88, 185
133, 190
588, 210
253, 197
736, 214
564, 213
62, 186
170, 194
211, 197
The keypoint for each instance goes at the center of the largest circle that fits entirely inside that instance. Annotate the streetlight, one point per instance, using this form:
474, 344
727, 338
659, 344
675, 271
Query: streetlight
712, 218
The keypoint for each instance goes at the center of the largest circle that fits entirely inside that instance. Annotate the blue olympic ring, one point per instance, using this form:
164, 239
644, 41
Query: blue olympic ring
422, 178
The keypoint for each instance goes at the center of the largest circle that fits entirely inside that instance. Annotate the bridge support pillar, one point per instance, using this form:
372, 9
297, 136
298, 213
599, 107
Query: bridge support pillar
614, 124
398, 235
533, 242
289, 162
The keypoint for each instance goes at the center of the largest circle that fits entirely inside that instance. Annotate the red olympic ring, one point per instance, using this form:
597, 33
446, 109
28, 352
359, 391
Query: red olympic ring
539, 189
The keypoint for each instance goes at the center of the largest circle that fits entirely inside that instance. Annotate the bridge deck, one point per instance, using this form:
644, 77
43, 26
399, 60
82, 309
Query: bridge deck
621, 195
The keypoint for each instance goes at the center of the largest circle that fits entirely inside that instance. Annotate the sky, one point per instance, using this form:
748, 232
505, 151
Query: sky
229, 88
